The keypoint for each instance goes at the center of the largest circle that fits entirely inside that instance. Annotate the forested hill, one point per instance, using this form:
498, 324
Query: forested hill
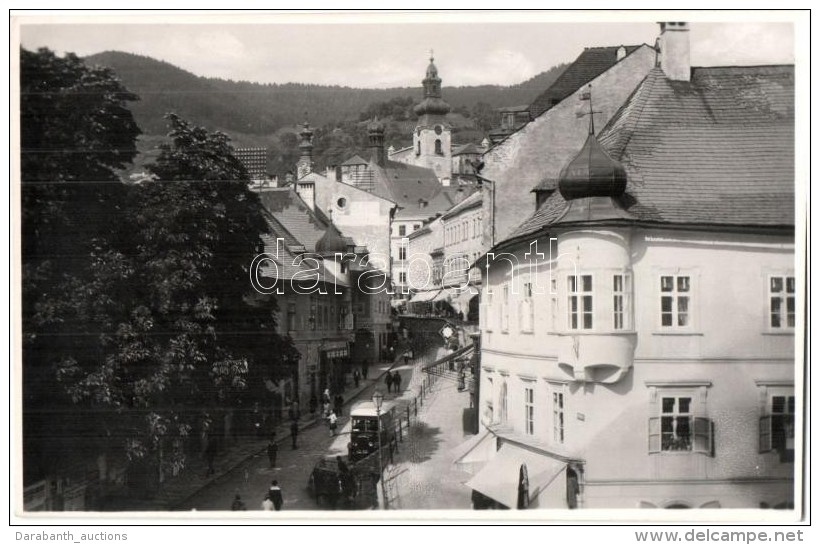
258, 109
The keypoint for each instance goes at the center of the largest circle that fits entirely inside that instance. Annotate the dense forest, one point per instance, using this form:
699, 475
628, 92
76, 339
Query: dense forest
256, 114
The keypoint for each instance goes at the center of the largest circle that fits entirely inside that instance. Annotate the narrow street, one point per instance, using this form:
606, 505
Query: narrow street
252, 479
425, 477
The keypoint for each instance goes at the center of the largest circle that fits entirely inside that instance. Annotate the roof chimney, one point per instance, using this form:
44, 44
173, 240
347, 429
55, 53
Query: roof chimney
620, 54
674, 51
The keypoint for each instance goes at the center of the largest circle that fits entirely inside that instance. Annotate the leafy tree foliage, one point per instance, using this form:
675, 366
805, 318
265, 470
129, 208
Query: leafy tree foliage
76, 132
137, 313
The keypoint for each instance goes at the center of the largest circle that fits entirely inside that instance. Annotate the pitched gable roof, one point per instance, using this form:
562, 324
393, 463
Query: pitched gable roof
415, 189
590, 64
355, 160
284, 204
717, 150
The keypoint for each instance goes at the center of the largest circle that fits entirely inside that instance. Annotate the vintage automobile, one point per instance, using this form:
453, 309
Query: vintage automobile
364, 431
345, 485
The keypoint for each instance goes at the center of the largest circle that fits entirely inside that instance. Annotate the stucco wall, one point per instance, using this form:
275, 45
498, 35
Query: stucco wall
724, 362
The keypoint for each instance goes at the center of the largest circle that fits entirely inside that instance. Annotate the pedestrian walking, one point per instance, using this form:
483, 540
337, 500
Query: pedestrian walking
210, 456
397, 382
331, 422
275, 495
388, 380
238, 504
326, 396
325, 409
338, 403
267, 503
356, 377
294, 432
273, 451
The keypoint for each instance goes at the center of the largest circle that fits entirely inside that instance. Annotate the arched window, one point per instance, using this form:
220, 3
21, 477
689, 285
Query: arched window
438, 147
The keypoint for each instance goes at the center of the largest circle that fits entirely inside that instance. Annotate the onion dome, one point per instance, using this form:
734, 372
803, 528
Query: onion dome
432, 104
592, 173
331, 242
375, 126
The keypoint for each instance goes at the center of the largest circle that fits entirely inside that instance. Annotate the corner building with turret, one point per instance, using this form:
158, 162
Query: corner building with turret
638, 330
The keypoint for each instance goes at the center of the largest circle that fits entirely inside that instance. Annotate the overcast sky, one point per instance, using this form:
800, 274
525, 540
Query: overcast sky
351, 50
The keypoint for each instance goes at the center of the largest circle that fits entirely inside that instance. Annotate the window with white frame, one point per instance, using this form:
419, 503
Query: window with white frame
676, 299
529, 410
488, 401
777, 423
579, 305
678, 428
781, 302
502, 402
558, 415
527, 308
620, 301
486, 321
505, 309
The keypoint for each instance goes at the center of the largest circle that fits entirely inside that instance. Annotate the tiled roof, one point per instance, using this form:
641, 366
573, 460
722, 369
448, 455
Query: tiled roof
468, 149
522, 108
285, 268
472, 201
717, 150
410, 185
591, 63
293, 214
355, 160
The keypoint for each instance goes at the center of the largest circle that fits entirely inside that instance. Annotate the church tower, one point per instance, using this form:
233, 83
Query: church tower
431, 140
305, 164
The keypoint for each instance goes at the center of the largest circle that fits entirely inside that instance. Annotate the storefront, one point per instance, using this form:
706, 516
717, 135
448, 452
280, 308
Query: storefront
510, 475
334, 363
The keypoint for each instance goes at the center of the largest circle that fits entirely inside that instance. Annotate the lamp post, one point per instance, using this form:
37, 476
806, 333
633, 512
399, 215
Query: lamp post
378, 397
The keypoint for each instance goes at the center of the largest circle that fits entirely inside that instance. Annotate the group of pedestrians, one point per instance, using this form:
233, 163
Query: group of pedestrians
273, 499
393, 381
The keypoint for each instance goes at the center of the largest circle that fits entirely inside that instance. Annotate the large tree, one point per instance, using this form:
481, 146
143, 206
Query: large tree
76, 134
137, 315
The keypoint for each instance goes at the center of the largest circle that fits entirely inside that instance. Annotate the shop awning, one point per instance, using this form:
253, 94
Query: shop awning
499, 477
472, 454
424, 296
443, 295
461, 299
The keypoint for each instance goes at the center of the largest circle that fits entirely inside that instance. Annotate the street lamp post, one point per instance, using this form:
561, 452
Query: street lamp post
378, 397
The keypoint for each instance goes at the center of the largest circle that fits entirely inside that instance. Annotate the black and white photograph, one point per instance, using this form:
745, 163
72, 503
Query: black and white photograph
456, 266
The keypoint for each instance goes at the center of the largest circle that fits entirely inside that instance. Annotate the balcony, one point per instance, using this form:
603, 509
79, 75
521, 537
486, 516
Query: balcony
596, 357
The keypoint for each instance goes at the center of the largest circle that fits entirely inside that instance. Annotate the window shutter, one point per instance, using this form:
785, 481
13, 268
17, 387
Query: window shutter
654, 434
703, 436
765, 433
